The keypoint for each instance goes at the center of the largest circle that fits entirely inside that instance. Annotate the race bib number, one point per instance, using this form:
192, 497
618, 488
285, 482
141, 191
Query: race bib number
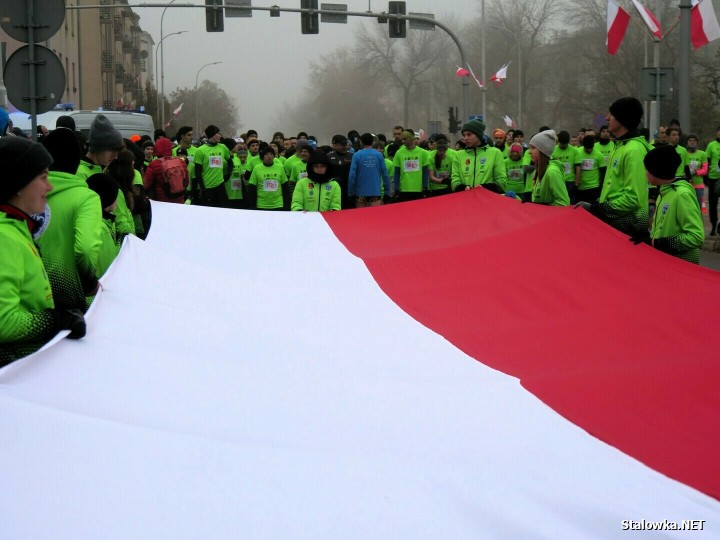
236, 184
567, 168
607, 159
190, 158
411, 165
215, 162
514, 174
270, 185
303, 175
587, 164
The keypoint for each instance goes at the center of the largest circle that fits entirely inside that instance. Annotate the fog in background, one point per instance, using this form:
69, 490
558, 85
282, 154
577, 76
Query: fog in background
265, 60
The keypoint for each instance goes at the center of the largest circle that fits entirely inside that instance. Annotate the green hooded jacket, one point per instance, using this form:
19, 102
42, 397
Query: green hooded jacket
677, 226
26, 300
70, 244
624, 197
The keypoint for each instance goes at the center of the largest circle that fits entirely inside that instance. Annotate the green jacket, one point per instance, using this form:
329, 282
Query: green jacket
71, 242
316, 197
550, 189
623, 201
677, 226
26, 300
111, 241
713, 156
125, 221
477, 166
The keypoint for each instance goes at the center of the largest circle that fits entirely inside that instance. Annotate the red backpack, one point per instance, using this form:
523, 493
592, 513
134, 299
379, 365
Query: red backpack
174, 173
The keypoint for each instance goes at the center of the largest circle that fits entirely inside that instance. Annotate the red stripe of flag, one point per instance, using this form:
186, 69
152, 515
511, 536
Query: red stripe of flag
603, 331
617, 23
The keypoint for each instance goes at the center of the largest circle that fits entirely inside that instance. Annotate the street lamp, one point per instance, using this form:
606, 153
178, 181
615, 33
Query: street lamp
162, 60
517, 43
161, 111
197, 122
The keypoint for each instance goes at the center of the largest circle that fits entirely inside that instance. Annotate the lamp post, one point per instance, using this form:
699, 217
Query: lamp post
517, 44
160, 110
197, 122
162, 60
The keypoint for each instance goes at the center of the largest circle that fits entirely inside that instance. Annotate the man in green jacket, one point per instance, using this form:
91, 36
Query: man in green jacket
479, 165
211, 170
713, 177
623, 202
28, 317
71, 242
104, 144
677, 227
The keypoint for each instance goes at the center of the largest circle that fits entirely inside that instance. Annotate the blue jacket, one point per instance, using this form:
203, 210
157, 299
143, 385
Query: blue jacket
367, 169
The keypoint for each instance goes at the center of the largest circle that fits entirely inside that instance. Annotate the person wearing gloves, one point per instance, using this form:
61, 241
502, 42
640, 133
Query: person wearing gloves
549, 180
318, 191
623, 202
71, 242
104, 144
677, 226
478, 165
28, 317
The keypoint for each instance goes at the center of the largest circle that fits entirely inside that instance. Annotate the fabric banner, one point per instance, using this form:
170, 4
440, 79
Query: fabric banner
245, 376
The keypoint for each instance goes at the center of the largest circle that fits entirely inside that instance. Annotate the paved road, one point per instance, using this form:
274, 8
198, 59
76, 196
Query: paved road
711, 259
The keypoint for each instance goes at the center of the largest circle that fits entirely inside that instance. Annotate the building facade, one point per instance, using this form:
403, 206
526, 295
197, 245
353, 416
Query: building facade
106, 55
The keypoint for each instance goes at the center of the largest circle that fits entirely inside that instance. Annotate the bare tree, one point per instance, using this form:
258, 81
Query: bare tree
214, 107
402, 64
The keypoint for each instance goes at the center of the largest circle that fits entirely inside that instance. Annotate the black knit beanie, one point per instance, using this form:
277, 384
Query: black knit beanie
211, 131
63, 146
628, 111
104, 185
318, 156
22, 161
663, 162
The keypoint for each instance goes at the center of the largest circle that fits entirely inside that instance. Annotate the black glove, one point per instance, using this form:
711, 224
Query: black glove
70, 319
640, 238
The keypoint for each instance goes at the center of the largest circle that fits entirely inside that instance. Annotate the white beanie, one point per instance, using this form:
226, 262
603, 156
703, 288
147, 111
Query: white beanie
545, 141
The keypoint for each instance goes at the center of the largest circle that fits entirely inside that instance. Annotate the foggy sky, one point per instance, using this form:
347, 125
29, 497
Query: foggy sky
265, 60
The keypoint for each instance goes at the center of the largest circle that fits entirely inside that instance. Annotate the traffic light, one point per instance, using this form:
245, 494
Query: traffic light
309, 23
397, 27
214, 16
453, 122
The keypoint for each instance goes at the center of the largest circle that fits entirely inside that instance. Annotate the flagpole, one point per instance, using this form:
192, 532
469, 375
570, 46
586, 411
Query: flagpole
684, 96
482, 75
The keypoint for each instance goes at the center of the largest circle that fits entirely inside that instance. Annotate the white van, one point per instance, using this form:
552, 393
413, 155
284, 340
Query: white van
126, 122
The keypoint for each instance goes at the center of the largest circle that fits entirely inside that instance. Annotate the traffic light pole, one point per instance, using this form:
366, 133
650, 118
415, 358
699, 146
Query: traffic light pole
275, 9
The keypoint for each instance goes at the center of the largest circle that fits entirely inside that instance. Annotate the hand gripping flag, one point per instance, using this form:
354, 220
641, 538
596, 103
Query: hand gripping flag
704, 26
617, 23
650, 21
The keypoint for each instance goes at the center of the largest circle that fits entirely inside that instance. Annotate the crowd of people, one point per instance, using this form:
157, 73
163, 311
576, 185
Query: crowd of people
66, 203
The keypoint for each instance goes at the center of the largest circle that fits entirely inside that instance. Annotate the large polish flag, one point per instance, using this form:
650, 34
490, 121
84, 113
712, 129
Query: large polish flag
704, 26
650, 20
617, 23
459, 367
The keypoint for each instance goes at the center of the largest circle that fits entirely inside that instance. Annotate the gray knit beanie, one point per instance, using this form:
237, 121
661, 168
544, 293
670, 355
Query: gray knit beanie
104, 136
545, 141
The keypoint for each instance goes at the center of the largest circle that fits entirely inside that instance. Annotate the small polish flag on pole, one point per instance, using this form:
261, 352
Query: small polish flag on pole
501, 75
617, 23
650, 21
704, 26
